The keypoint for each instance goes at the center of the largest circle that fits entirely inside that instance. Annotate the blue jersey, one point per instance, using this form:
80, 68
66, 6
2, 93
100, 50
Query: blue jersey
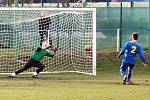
131, 49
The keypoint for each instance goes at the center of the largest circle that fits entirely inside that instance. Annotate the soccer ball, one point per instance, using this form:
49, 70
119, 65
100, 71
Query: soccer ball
88, 48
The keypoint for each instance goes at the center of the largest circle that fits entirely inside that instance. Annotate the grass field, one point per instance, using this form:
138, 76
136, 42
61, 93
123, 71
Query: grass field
107, 85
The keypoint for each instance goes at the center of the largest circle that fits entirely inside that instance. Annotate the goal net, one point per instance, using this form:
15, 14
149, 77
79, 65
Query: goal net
69, 30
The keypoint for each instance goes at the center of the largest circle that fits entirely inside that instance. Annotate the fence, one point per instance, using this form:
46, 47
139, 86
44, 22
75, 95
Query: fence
128, 19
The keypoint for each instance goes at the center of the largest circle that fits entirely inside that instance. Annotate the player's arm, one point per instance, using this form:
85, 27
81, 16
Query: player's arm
122, 50
141, 54
51, 52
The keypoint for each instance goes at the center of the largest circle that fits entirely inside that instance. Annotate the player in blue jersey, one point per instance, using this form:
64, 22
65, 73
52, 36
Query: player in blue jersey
130, 49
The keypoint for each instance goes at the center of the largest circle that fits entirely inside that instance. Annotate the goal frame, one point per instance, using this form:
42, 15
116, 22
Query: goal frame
67, 9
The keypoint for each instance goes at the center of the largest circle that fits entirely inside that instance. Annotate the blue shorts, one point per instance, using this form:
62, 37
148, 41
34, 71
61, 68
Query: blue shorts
124, 66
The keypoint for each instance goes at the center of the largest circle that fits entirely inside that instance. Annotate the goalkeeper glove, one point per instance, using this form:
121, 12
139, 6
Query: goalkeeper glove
54, 49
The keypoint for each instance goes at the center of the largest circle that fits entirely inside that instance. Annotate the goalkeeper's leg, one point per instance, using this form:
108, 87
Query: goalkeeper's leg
27, 66
22, 69
32, 63
40, 67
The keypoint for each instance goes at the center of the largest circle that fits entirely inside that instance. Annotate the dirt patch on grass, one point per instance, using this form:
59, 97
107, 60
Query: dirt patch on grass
39, 78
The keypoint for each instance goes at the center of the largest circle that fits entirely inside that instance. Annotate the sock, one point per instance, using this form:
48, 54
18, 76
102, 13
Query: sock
124, 77
129, 75
34, 73
13, 74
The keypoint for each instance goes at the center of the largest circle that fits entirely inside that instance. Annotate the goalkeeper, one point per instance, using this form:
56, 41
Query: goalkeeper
44, 23
131, 49
35, 59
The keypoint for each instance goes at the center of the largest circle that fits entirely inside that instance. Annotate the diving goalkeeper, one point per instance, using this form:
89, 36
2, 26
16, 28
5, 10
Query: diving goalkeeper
130, 49
35, 59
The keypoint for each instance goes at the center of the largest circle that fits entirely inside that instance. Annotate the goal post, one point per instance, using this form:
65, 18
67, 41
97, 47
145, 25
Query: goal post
70, 30
118, 40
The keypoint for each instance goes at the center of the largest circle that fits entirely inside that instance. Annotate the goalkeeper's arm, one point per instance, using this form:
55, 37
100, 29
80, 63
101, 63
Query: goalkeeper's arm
54, 49
51, 51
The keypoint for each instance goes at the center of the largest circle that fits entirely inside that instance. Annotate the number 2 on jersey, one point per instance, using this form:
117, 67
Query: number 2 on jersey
133, 49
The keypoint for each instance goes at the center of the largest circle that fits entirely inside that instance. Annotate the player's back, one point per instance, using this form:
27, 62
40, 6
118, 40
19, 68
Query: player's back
132, 48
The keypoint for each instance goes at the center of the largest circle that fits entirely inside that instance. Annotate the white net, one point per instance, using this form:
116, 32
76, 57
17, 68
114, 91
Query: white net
21, 30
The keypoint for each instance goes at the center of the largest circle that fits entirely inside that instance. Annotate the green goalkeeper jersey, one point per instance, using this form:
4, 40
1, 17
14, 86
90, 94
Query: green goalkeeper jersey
39, 54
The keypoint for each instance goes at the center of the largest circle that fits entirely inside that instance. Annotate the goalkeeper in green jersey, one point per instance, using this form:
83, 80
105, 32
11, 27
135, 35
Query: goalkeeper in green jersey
35, 59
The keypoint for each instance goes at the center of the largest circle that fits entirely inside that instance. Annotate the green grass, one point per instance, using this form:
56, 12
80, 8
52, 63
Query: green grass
107, 85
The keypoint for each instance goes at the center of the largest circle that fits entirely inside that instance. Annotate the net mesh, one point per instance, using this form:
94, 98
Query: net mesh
67, 30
